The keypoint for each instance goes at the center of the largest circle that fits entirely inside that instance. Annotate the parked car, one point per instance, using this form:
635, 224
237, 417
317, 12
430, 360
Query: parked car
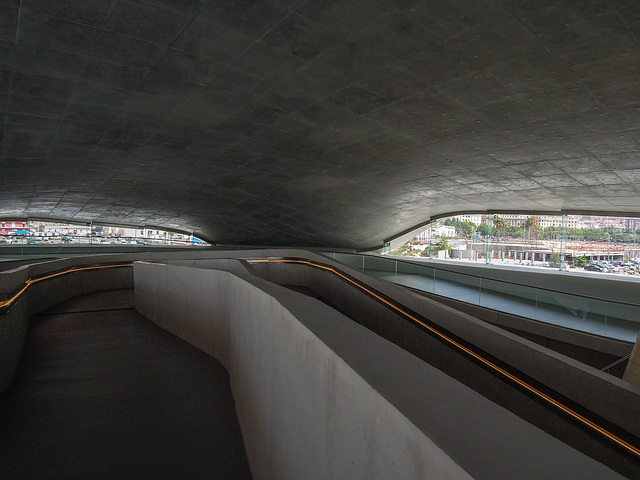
594, 268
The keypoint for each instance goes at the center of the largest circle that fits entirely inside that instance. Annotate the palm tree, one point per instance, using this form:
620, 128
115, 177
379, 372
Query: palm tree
531, 228
500, 225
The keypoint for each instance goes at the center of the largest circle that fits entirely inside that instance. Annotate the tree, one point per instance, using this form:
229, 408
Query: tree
581, 261
467, 229
551, 233
514, 231
482, 229
532, 228
443, 244
500, 225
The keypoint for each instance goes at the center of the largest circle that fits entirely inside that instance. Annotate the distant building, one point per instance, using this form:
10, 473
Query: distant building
514, 220
545, 221
476, 219
444, 231
423, 236
56, 229
571, 221
438, 231
603, 222
11, 227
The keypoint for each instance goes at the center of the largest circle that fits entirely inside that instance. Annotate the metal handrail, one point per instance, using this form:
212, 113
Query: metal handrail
6, 304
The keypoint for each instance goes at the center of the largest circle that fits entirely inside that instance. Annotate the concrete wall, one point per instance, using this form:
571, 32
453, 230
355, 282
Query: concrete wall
613, 399
319, 396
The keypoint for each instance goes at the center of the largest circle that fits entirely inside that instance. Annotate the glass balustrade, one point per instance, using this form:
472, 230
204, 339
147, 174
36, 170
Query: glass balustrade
600, 317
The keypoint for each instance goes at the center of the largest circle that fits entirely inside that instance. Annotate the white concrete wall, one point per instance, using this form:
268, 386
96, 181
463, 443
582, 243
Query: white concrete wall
300, 406
302, 377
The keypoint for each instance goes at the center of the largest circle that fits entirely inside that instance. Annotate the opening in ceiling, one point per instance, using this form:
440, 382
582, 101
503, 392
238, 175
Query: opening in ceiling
32, 232
565, 242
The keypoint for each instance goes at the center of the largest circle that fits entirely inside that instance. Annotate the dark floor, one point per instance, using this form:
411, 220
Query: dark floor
101, 392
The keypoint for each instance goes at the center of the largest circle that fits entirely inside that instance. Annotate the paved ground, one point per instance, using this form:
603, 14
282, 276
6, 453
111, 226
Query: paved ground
101, 392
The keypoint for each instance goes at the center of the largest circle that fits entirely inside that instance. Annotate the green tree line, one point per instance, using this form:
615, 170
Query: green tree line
529, 229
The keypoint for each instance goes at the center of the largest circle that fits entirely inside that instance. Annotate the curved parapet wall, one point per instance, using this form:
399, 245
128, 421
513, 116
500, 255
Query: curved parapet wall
313, 389
18, 304
607, 397
40, 291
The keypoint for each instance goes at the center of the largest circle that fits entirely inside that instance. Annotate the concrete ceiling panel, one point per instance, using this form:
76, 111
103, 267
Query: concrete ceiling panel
338, 123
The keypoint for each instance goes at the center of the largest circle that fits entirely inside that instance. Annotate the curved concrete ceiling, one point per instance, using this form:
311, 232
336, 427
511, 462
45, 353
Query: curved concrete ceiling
337, 123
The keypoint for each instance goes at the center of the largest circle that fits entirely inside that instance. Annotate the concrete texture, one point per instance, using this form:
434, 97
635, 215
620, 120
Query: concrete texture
303, 122
103, 393
319, 396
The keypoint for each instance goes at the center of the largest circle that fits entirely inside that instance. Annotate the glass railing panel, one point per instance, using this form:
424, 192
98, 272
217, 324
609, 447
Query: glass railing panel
379, 264
623, 321
350, 259
415, 276
507, 297
570, 311
407, 267
458, 286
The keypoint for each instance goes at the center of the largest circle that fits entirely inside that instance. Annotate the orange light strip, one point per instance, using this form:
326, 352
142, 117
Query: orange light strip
31, 281
488, 363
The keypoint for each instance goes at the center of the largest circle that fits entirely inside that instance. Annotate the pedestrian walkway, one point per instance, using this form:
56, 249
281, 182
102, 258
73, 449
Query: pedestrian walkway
103, 393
